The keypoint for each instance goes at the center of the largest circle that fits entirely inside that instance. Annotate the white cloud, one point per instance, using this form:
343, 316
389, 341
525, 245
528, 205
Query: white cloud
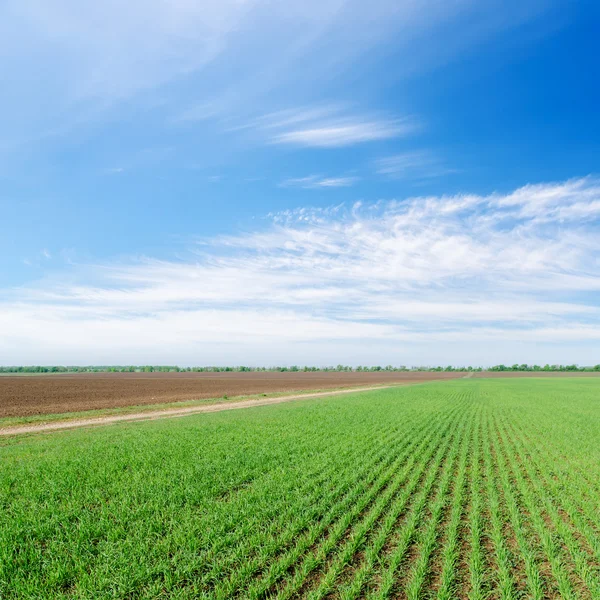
419, 164
116, 63
337, 182
113, 50
289, 117
337, 133
317, 181
328, 126
575, 199
399, 281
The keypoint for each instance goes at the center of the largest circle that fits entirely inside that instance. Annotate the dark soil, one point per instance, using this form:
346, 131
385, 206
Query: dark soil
47, 394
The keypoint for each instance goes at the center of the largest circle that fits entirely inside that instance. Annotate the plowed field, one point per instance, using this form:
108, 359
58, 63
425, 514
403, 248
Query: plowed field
48, 394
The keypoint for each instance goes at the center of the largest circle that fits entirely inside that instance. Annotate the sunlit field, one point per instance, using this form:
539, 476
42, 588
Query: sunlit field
474, 488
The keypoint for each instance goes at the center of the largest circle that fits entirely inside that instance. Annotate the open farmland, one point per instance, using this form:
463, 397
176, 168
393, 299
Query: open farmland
460, 489
47, 394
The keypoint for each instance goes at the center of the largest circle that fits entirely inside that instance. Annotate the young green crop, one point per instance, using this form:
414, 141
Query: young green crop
469, 488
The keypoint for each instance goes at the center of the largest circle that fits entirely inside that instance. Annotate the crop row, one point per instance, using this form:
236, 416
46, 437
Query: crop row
467, 489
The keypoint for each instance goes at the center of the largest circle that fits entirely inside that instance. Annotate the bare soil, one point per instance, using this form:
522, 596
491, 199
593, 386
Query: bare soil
22, 396
166, 413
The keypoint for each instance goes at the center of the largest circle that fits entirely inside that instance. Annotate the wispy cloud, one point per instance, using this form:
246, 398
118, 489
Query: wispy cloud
290, 117
420, 164
97, 58
573, 200
329, 126
467, 277
317, 181
344, 132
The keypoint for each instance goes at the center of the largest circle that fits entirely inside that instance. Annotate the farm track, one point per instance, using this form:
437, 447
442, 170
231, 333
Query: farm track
149, 415
22, 396
413, 493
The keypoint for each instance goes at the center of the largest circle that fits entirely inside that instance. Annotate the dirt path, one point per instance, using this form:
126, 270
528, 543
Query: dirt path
175, 412
62, 393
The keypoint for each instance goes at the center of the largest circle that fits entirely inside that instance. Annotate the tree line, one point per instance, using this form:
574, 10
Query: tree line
293, 368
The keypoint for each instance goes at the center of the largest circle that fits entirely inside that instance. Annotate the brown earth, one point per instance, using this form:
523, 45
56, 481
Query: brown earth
47, 394
168, 413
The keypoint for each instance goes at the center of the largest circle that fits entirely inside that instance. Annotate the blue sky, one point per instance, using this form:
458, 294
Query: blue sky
319, 182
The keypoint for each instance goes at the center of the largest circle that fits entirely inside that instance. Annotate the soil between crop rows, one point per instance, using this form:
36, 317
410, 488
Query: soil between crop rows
470, 489
49, 394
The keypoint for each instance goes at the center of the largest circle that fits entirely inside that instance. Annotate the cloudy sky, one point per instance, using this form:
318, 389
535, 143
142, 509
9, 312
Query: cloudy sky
251, 182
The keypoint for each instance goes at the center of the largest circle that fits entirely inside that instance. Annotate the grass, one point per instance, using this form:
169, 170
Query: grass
462, 489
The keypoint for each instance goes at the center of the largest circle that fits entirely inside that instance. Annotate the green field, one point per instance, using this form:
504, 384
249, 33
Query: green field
474, 488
